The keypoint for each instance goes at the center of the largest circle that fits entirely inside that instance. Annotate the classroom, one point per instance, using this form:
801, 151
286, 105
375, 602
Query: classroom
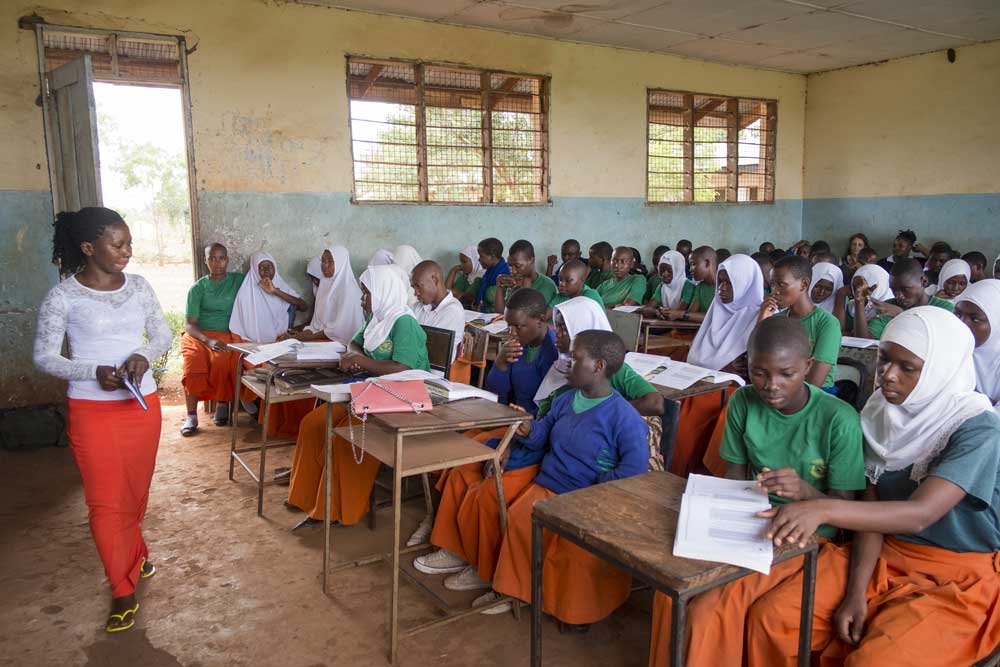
569, 243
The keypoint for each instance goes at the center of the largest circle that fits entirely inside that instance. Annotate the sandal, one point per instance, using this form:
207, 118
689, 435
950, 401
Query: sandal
122, 621
146, 569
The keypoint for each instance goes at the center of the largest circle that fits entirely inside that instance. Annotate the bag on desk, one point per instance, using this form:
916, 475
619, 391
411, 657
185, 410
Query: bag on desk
381, 397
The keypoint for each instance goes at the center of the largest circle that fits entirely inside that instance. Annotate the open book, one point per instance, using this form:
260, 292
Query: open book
718, 522
440, 390
679, 375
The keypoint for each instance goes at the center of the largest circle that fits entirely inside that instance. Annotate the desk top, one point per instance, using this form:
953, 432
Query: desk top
680, 325
633, 521
455, 416
697, 389
284, 361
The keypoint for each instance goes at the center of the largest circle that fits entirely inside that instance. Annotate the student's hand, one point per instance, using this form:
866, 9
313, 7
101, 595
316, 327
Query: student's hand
922, 249
886, 308
511, 350
769, 307
352, 362
215, 345
285, 336
675, 314
107, 377
844, 292
941, 294
506, 281
850, 619
136, 366
267, 286
794, 523
784, 483
550, 261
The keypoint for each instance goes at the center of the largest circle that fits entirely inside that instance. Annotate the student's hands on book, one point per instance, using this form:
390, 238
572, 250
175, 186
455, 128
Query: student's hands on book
794, 523
215, 345
785, 483
352, 362
850, 618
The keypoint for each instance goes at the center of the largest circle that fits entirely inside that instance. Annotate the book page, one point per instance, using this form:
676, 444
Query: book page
860, 343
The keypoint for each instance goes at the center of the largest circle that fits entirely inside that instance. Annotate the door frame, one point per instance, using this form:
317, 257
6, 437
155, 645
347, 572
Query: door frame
185, 88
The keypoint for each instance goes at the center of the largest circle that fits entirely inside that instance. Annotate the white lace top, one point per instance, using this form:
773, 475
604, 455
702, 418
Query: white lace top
104, 329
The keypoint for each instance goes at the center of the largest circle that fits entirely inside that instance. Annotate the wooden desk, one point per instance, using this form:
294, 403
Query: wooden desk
648, 323
698, 388
867, 357
483, 348
432, 443
270, 394
631, 523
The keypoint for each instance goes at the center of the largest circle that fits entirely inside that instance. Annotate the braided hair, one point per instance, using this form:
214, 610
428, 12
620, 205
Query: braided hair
73, 228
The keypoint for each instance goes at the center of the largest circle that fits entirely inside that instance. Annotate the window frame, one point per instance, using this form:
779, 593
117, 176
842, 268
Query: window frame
421, 143
772, 114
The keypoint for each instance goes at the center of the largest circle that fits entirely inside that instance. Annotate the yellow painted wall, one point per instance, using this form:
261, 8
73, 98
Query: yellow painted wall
269, 97
914, 126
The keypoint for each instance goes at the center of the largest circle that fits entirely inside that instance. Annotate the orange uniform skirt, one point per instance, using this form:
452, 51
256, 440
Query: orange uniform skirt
577, 587
114, 444
926, 606
350, 482
208, 375
697, 420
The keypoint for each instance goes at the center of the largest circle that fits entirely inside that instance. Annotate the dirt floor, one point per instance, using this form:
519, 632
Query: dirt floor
232, 588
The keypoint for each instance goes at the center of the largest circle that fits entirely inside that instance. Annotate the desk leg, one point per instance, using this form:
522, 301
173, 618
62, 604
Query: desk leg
397, 496
678, 621
263, 442
327, 462
536, 593
234, 416
806, 619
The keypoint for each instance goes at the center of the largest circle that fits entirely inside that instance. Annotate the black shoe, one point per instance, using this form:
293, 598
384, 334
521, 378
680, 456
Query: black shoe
221, 415
309, 522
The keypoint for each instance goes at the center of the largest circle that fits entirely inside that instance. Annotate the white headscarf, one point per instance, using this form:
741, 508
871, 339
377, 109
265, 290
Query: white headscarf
724, 333
951, 268
337, 312
258, 316
388, 303
406, 257
833, 273
382, 257
579, 314
315, 269
986, 357
472, 252
670, 294
877, 277
914, 433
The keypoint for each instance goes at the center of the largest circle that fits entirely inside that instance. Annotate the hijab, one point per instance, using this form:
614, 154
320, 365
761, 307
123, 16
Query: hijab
833, 273
407, 258
579, 314
472, 252
258, 316
917, 431
382, 257
878, 277
986, 357
490, 279
337, 312
388, 303
951, 268
315, 269
724, 333
670, 294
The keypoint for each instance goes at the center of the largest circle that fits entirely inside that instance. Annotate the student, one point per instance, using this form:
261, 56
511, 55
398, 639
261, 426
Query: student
390, 341
115, 328
868, 256
521, 260
766, 247
404, 259
337, 313
591, 435
823, 256
953, 278
996, 268
624, 288
494, 265
977, 264
381, 257
674, 287
208, 365
437, 307
791, 278
260, 310
703, 272
569, 251
653, 280
778, 254
798, 443
722, 254
979, 308
684, 247
463, 278
573, 283
908, 284
926, 533
851, 261
764, 262
904, 243
600, 264
802, 249
870, 277
638, 268
827, 279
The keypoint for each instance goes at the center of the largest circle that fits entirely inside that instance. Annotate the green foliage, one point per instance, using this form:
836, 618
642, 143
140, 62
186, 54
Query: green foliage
171, 360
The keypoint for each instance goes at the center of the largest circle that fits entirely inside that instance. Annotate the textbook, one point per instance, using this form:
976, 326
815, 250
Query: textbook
673, 374
860, 343
481, 319
718, 522
291, 379
324, 351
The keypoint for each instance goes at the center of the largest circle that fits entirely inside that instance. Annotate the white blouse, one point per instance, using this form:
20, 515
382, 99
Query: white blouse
104, 329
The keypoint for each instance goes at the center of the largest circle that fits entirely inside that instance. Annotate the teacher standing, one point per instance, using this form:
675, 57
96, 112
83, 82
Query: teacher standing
115, 327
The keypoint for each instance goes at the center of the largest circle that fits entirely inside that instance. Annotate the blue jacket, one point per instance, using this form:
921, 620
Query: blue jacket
521, 380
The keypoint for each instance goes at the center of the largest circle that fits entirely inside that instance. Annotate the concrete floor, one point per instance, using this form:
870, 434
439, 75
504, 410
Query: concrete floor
231, 588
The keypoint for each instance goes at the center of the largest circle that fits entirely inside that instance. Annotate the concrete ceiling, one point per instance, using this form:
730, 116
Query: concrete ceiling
789, 35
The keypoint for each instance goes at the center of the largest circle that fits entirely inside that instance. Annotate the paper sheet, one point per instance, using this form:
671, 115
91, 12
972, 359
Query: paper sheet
647, 365
497, 327
272, 351
320, 351
334, 393
626, 309
472, 316
860, 343
718, 522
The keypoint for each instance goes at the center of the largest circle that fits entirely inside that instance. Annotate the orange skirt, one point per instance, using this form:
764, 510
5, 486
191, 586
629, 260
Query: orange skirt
285, 418
350, 483
577, 587
208, 375
713, 455
114, 444
696, 422
926, 606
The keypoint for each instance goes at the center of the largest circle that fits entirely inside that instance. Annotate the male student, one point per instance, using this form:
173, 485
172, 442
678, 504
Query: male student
908, 283
623, 288
904, 243
573, 283
798, 443
977, 262
569, 251
600, 263
766, 247
703, 271
521, 260
437, 306
684, 247
764, 262
790, 280
491, 259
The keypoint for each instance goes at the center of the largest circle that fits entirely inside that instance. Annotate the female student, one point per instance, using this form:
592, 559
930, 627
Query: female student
391, 341
337, 313
381, 257
674, 286
694, 304
624, 288
599, 260
979, 308
996, 268
115, 328
405, 258
954, 277
463, 278
654, 280
827, 279
871, 278
494, 265
919, 585
260, 312
208, 365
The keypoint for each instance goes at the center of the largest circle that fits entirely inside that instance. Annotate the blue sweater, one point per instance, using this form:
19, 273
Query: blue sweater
520, 381
606, 442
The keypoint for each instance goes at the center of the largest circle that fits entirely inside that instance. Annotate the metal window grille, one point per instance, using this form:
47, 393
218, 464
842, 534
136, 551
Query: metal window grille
118, 58
447, 134
709, 148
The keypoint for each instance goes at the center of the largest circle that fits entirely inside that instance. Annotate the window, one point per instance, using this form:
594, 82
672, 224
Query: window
447, 134
707, 148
